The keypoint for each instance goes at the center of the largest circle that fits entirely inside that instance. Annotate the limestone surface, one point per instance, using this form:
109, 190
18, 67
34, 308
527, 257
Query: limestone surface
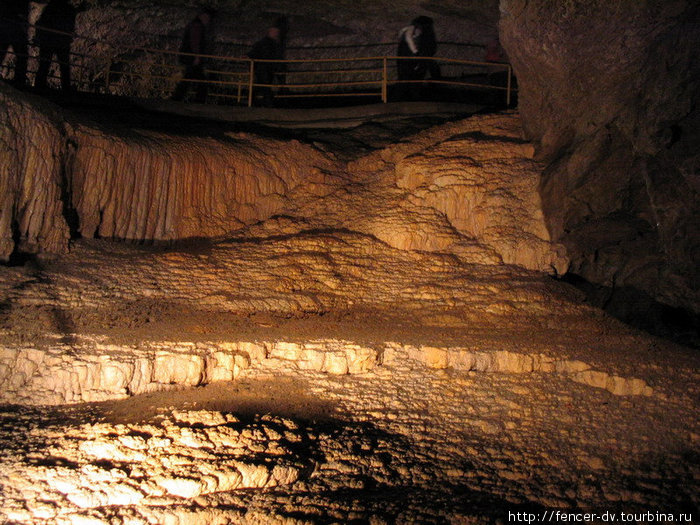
32, 152
388, 342
325, 376
402, 443
608, 93
466, 188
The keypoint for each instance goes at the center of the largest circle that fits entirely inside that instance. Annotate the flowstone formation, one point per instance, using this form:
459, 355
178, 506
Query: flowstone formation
136, 184
370, 333
31, 157
609, 96
145, 185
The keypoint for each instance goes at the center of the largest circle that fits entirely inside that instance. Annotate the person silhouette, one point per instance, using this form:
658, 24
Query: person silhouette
268, 48
427, 47
416, 40
54, 36
13, 33
194, 44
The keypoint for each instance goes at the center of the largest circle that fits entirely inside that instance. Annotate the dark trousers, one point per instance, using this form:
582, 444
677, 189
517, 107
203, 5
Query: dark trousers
412, 70
196, 73
11, 35
46, 53
409, 70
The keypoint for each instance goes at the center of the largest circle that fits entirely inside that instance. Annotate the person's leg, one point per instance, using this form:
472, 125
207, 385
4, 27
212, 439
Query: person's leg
63, 57
434, 68
183, 86
403, 72
4, 47
417, 73
202, 87
42, 74
20, 50
263, 75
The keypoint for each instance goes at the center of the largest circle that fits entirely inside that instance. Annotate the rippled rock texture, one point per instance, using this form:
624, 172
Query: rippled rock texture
32, 156
468, 188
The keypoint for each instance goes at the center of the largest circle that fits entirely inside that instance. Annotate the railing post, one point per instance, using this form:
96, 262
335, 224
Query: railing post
385, 80
251, 72
107, 74
509, 84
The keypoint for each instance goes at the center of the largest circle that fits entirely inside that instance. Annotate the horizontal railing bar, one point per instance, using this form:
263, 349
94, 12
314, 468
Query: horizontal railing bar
320, 95
158, 63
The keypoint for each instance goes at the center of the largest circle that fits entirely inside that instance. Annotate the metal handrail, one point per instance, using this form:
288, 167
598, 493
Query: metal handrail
244, 78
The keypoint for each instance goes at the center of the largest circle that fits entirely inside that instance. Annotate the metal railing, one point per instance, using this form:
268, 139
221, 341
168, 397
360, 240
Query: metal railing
148, 72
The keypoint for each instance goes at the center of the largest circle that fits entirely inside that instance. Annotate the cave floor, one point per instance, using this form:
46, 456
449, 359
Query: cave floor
512, 396
297, 374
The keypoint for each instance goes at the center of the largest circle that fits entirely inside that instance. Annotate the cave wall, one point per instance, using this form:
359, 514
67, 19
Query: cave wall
609, 95
123, 179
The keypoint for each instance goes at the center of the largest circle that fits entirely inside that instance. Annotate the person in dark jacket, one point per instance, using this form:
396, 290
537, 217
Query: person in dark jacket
267, 48
13, 33
408, 47
54, 36
427, 46
194, 44
416, 40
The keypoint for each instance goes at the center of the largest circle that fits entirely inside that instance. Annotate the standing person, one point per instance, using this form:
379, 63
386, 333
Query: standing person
416, 40
494, 51
496, 75
282, 23
267, 48
195, 43
427, 46
13, 32
408, 47
54, 36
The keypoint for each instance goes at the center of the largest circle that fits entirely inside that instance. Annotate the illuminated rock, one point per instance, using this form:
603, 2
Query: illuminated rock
467, 188
162, 466
150, 186
32, 152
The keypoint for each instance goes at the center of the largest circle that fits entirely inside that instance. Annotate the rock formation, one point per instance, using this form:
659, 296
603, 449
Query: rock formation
149, 186
467, 188
295, 374
301, 327
609, 95
32, 180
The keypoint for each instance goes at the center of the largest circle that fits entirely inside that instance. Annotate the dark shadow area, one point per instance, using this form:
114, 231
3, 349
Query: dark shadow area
17, 257
638, 309
398, 504
111, 112
70, 214
243, 398
314, 232
61, 321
